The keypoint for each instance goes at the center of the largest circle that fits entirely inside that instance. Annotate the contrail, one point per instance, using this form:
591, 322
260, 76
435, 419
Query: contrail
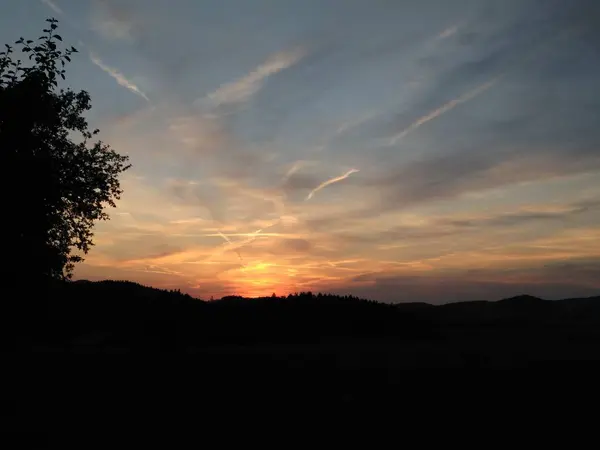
533, 52
53, 6
252, 237
237, 252
65, 18
224, 237
331, 181
297, 166
237, 245
244, 88
114, 73
444, 109
118, 77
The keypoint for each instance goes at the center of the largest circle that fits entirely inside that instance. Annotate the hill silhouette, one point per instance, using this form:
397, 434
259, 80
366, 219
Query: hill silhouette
126, 317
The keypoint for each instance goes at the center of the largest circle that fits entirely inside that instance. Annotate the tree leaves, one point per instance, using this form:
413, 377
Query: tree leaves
56, 185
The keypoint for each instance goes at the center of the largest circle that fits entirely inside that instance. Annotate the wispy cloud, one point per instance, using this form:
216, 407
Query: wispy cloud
330, 181
112, 29
295, 168
119, 77
349, 124
443, 109
244, 88
112, 22
53, 6
448, 32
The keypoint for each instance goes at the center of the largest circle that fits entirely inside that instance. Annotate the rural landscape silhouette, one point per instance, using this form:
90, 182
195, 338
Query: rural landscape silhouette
285, 226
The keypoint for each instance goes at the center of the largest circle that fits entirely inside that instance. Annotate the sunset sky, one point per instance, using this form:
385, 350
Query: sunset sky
399, 150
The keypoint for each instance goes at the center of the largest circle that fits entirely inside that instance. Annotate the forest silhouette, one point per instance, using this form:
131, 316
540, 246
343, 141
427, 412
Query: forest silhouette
124, 317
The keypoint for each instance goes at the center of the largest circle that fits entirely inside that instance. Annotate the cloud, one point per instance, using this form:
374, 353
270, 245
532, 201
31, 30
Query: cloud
294, 245
526, 216
448, 176
200, 196
437, 229
53, 6
118, 77
203, 134
243, 89
329, 182
111, 21
448, 32
464, 287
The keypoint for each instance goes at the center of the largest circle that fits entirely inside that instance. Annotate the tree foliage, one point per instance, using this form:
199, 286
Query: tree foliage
56, 181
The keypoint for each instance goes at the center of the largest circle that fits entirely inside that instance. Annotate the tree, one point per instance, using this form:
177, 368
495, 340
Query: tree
56, 181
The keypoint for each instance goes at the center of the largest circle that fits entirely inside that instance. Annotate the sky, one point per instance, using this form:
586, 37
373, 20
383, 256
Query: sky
397, 150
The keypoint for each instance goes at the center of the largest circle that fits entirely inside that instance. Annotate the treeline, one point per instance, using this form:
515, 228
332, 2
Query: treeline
134, 316
119, 316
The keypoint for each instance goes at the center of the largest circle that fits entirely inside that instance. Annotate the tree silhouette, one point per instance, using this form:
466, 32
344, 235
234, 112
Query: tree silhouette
56, 182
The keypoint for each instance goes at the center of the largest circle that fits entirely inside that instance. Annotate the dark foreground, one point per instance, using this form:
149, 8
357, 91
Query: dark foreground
324, 353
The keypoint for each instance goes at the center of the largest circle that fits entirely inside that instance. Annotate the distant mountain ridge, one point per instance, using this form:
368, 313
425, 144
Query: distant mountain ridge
518, 304
120, 284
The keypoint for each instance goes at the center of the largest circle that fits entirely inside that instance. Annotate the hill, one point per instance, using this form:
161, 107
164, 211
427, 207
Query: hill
117, 316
